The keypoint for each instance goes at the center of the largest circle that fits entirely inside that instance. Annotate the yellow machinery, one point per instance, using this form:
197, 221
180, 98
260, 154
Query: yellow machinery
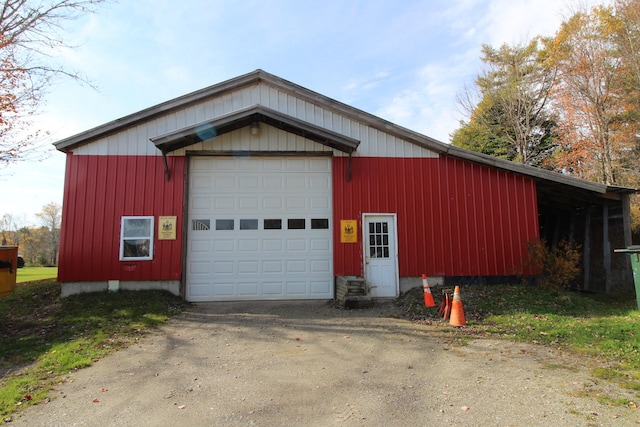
8, 269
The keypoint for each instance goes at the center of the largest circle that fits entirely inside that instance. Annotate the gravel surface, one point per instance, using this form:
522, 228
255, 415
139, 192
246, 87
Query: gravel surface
308, 363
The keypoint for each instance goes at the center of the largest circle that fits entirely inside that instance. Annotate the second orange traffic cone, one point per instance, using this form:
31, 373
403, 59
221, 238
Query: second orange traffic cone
457, 312
447, 306
428, 296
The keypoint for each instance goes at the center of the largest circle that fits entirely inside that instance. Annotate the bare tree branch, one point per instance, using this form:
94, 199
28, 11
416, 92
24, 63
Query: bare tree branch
29, 29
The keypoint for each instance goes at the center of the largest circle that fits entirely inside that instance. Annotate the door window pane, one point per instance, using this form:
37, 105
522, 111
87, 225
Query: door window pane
248, 224
378, 240
320, 224
272, 224
296, 224
201, 224
224, 224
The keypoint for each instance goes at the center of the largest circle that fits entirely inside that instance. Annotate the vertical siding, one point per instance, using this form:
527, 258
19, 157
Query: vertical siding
134, 141
455, 218
99, 190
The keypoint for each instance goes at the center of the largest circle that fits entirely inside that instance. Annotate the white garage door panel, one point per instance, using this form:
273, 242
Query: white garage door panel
266, 257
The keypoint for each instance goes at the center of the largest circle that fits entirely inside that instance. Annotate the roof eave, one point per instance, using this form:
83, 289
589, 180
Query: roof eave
217, 126
535, 172
68, 144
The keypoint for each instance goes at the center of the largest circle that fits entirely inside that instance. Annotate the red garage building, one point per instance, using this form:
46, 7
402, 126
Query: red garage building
257, 188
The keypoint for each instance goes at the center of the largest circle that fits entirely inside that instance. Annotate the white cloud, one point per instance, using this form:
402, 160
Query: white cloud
428, 106
366, 82
427, 102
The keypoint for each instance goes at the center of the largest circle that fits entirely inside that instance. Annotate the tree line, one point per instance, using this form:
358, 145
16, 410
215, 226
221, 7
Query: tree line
38, 245
568, 103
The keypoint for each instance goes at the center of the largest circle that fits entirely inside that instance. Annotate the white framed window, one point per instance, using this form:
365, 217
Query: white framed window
136, 238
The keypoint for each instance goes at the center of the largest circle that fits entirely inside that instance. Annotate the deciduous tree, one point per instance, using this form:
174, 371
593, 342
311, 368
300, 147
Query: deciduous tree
50, 218
30, 32
591, 98
511, 116
626, 27
9, 226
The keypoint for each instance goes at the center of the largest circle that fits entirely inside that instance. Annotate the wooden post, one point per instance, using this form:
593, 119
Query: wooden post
572, 226
556, 232
586, 252
606, 249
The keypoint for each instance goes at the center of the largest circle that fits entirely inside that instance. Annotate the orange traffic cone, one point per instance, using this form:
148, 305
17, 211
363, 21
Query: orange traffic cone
428, 296
457, 313
447, 306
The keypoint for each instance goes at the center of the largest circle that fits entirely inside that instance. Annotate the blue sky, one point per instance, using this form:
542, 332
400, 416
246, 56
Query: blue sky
402, 60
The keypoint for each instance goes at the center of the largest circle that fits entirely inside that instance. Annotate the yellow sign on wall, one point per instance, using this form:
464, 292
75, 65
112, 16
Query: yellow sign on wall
167, 227
348, 231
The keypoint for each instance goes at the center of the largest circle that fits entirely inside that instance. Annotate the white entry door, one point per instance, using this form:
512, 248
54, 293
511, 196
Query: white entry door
380, 255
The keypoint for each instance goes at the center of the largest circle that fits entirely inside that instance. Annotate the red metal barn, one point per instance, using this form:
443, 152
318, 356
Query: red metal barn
257, 189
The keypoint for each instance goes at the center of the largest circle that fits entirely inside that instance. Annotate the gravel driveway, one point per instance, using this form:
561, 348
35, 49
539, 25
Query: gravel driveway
307, 363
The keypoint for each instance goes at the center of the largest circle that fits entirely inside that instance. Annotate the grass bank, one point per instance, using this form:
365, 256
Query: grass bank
601, 326
44, 337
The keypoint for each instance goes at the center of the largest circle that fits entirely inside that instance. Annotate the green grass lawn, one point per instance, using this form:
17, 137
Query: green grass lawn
598, 326
44, 337
30, 274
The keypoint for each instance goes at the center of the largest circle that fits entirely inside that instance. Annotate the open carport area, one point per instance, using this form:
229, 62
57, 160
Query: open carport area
308, 363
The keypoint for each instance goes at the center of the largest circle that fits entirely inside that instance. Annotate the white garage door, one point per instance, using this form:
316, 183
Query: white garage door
259, 229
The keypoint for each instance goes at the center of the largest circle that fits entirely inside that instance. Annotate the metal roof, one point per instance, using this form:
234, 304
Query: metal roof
549, 182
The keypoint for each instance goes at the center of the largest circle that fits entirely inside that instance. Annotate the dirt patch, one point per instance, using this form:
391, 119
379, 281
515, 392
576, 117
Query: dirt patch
308, 363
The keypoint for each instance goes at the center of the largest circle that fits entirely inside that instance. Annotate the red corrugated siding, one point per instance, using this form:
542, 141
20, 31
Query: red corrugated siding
455, 218
99, 190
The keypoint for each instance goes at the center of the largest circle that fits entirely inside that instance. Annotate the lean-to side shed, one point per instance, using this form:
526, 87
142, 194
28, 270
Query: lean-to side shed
257, 188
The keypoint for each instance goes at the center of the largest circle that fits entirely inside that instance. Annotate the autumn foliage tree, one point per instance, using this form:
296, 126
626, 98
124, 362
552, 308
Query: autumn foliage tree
570, 103
30, 33
597, 130
627, 37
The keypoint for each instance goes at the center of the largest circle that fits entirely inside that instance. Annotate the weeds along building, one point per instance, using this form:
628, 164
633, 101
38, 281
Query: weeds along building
259, 189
